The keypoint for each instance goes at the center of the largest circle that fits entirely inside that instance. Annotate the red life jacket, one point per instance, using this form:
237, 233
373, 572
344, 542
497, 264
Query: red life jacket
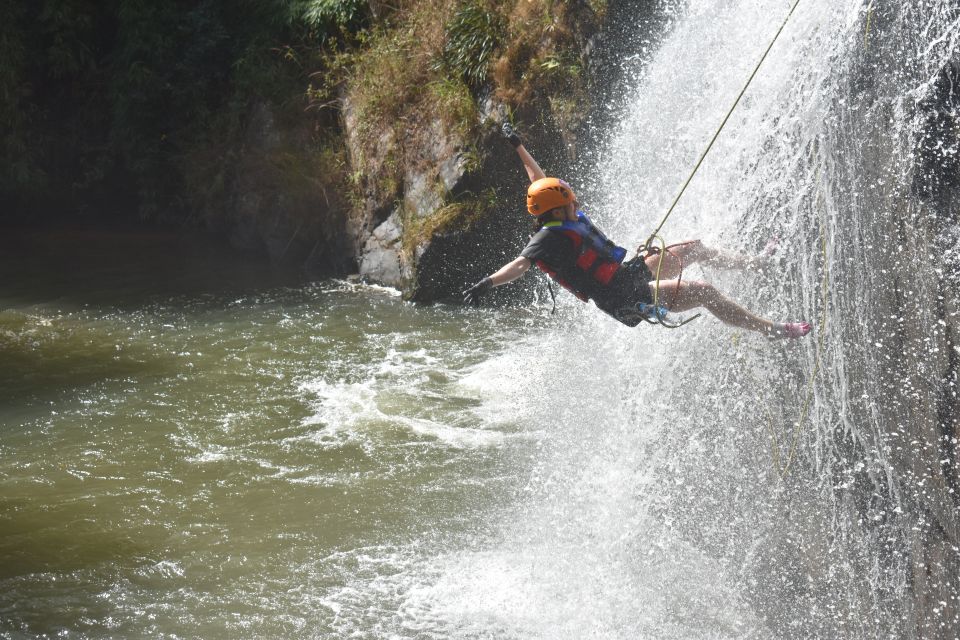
597, 258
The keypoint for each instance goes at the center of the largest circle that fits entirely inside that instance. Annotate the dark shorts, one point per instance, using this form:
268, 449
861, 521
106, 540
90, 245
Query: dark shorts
630, 286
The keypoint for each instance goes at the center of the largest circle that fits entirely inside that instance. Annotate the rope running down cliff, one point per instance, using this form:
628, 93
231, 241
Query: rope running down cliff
649, 243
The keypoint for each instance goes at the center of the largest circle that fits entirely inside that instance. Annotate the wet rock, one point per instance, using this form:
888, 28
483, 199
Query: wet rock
381, 260
421, 196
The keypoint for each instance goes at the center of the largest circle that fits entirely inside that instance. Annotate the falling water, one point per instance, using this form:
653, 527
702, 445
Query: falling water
193, 448
710, 483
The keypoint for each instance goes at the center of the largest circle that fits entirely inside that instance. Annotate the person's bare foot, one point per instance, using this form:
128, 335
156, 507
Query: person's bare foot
790, 329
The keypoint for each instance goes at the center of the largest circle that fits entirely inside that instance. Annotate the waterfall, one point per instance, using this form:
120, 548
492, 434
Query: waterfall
819, 474
707, 482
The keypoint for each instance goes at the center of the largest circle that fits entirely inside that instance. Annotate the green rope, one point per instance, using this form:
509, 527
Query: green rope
703, 156
656, 293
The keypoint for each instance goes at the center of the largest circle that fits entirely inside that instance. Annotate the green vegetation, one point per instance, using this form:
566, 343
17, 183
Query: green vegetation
145, 107
452, 217
110, 102
328, 17
473, 35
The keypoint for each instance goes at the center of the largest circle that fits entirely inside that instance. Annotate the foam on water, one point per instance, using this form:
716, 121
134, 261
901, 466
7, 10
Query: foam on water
656, 505
330, 461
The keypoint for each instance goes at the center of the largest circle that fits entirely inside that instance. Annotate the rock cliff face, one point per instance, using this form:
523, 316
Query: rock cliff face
895, 300
443, 218
877, 518
437, 201
440, 203
398, 200
282, 202
455, 215
928, 460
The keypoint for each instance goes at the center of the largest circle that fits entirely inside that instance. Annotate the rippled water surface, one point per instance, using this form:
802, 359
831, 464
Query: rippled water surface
192, 446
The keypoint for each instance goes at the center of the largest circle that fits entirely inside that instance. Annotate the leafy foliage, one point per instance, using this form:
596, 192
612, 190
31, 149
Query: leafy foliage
473, 36
327, 17
136, 105
113, 97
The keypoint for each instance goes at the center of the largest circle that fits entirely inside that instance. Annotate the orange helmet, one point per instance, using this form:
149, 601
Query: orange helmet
548, 193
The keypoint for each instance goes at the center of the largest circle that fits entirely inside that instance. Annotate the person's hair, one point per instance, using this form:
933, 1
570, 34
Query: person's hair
546, 217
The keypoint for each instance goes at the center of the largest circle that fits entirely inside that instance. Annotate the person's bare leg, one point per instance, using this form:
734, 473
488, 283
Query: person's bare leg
688, 252
685, 295
727, 260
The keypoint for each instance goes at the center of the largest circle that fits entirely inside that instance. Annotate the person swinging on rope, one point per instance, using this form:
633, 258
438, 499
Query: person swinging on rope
578, 256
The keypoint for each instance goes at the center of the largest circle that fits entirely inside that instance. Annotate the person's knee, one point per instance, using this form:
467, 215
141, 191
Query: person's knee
696, 251
702, 291
686, 248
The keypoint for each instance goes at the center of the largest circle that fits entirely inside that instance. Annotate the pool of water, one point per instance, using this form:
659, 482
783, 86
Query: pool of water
193, 445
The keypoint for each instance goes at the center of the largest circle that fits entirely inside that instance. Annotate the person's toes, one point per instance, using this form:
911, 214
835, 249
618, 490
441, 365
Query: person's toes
790, 329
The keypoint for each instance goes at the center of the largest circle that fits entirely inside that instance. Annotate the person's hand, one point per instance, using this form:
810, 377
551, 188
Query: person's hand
472, 295
511, 135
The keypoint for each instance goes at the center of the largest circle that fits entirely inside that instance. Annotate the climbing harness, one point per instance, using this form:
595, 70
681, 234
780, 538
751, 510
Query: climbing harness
647, 247
659, 312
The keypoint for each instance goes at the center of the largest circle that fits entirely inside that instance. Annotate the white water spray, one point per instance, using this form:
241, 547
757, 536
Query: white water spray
706, 482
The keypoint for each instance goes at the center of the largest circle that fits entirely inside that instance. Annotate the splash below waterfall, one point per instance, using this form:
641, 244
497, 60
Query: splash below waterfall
710, 483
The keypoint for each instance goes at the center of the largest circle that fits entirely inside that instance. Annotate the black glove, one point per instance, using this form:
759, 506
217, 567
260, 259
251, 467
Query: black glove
472, 295
511, 135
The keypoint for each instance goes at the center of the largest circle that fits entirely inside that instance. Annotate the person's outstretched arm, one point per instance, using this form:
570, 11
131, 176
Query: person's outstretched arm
534, 172
507, 273
510, 271
533, 169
